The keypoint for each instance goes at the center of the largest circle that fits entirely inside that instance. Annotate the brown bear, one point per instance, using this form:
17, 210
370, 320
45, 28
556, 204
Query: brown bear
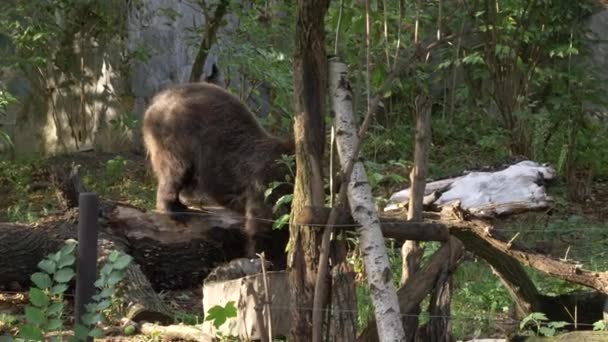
203, 139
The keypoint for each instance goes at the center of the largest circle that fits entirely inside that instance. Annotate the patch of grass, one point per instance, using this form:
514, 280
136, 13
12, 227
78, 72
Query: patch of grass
8, 322
121, 179
25, 198
188, 318
478, 299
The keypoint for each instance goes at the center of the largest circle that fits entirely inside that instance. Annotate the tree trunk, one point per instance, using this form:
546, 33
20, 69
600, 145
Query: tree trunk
22, 247
343, 296
212, 24
421, 283
411, 251
363, 210
310, 86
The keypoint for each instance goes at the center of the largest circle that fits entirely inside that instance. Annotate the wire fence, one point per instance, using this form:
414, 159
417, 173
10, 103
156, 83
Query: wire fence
502, 320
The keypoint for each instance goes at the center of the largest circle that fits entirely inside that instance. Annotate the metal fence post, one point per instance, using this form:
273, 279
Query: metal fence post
88, 228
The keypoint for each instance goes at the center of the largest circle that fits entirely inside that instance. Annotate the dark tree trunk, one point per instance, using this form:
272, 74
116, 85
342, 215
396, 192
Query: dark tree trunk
212, 24
310, 86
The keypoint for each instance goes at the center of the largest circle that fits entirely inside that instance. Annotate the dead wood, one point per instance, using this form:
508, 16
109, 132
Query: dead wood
576, 336
482, 239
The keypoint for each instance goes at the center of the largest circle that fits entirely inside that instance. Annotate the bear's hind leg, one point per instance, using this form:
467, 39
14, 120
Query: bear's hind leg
171, 179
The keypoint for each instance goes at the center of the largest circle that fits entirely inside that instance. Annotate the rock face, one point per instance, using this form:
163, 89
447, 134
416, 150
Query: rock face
161, 40
164, 30
120, 78
598, 31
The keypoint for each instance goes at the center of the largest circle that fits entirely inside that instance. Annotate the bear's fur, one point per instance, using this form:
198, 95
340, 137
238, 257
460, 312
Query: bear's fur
201, 138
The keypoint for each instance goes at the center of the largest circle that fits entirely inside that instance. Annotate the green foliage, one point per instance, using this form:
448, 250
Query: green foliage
115, 169
541, 325
282, 205
16, 184
110, 274
600, 326
219, 314
478, 297
46, 312
262, 59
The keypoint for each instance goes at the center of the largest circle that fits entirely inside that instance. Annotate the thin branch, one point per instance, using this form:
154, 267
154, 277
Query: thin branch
338, 28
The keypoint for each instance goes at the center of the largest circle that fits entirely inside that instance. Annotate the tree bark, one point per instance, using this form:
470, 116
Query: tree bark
411, 251
212, 24
363, 210
22, 247
421, 283
310, 86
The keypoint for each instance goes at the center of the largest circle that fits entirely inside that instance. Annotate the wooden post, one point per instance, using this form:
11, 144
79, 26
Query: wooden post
88, 229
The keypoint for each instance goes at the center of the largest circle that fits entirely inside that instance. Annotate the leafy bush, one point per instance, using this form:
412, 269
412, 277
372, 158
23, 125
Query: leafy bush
46, 312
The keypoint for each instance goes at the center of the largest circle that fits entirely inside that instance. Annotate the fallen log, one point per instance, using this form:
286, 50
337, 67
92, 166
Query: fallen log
576, 336
162, 258
172, 255
479, 236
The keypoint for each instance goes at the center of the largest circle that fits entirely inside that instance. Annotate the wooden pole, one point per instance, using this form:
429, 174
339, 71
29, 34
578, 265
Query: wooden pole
88, 229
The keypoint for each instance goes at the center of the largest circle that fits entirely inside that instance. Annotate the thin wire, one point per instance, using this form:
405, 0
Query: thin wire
207, 212
342, 311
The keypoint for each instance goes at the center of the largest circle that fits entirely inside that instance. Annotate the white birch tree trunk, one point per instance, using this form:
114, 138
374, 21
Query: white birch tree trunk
379, 275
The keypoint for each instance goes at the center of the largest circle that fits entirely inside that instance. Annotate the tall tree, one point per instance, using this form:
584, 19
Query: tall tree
310, 88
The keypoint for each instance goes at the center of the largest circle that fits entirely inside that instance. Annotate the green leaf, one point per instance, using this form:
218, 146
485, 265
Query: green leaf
129, 330
54, 324
283, 200
64, 275
38, 298
122, 262
282, 221
106, 293
104, 304
81, 332
114, 278
558, 325
99, 283
546, 331
47, 266
91, 319
106, 269
599, 325
113, 256
41, 280
55, 256
34, 315
59, 289
31, 333
230, 309
68, 249
96, 332
66, 260
55, 309
218, 314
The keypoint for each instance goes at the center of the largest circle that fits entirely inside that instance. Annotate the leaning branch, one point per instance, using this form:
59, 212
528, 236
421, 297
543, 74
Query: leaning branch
360, 199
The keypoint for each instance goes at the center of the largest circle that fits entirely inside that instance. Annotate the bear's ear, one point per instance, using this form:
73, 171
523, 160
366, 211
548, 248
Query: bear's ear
213, 75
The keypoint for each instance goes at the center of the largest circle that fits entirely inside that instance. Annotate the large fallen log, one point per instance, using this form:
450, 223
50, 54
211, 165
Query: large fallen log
576, 336
172, 255
166, 254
